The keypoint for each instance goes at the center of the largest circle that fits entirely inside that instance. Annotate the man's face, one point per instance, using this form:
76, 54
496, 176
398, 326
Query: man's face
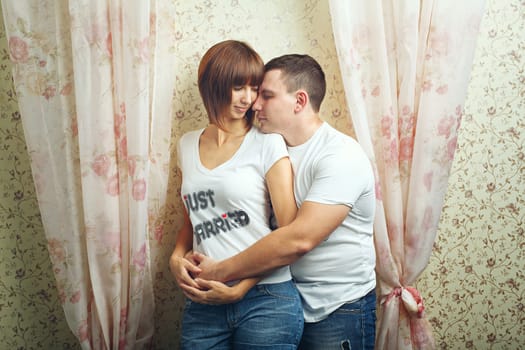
274, 105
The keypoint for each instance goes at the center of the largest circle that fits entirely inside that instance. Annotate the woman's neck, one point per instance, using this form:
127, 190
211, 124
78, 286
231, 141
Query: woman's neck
226, 133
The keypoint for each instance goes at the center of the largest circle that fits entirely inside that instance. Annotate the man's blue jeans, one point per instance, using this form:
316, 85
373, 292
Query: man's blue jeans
351, 327
270, 316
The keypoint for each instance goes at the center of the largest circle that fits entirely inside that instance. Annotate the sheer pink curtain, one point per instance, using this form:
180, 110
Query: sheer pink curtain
405, 67
94, 80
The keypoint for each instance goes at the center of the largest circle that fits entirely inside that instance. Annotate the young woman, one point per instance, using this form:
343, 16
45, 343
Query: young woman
231, 172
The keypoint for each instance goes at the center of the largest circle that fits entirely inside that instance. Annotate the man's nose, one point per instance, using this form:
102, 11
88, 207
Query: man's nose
256, 105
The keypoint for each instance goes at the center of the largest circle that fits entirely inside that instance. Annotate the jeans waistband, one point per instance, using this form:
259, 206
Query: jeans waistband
372, 292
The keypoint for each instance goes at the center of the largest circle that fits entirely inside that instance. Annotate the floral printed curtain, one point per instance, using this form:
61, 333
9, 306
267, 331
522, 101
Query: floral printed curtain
94, 81
405, 67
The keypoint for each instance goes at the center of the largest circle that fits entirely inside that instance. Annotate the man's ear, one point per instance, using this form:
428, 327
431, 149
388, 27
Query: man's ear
301, 100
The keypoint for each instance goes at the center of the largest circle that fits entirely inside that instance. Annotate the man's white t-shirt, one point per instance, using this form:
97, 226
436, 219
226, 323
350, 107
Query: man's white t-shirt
332, 168
229, 206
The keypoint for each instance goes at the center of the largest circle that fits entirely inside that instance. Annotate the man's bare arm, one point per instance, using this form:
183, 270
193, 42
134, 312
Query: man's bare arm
314, 222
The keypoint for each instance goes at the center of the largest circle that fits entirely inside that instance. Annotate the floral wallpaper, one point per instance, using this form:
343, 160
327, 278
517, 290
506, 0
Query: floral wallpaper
31, 316
473, 284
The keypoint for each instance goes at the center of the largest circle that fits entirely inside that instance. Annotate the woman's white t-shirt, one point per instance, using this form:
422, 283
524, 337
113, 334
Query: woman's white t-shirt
229, 206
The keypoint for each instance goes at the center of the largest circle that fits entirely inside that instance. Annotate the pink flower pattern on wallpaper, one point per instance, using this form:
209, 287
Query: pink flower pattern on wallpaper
386, 126
75, 298
406, 148
83, 331
18, 49
139, 189
49, 92
67, 89
113, 186
159, 232
427, 85
132, 165
445, 126
56, 251
451, 147
442, 89
142, 48
101, 165
120, 121
139, 258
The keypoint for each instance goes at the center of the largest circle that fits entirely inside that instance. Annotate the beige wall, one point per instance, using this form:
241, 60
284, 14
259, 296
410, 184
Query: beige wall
472, 287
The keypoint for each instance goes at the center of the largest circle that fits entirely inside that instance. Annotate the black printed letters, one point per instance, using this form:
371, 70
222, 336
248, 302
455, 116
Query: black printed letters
223, 223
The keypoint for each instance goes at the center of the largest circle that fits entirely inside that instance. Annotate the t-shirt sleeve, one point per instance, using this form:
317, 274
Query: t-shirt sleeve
274, 148
341, 177
184, 147
179, 152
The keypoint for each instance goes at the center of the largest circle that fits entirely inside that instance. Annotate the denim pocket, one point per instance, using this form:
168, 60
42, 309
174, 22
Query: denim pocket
364, 305
284, 290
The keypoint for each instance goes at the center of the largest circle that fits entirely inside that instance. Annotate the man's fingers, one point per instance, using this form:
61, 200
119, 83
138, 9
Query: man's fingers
193, 268
198, 257
204, 284
187, 282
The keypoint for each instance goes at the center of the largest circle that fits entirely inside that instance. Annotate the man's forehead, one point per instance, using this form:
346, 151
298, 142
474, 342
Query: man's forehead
273, 74
272, 80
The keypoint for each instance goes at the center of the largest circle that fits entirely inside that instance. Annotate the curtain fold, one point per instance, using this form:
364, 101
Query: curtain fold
94, 81
405, 68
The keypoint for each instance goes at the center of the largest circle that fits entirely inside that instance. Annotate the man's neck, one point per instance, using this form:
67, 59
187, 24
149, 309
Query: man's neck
304, 130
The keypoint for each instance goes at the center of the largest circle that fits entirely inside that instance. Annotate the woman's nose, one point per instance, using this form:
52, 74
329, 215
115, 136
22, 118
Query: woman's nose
248, 96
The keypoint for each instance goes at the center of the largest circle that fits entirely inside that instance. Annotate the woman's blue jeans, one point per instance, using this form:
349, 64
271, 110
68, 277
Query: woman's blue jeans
351, 327
270, 316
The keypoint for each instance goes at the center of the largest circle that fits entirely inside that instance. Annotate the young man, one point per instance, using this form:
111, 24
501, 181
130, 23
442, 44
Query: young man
330, 243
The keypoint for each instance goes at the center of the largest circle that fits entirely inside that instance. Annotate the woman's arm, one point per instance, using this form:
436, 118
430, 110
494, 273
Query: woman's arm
280, 185
182, 268
279, 180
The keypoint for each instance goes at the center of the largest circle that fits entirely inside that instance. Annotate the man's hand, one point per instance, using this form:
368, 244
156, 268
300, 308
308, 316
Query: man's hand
208, 267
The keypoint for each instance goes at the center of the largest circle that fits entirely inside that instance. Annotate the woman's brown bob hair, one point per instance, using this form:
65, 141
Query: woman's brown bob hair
225, 65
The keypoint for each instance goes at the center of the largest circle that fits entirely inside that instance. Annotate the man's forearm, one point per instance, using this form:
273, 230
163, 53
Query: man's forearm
277, 249
313, 224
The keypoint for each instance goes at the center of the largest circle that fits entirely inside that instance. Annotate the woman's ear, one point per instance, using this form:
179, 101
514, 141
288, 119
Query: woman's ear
301, 100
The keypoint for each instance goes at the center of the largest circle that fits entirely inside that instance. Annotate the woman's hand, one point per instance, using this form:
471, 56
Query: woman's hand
212, 292
183, 270
217, 293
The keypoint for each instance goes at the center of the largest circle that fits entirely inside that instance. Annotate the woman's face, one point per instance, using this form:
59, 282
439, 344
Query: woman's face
242, 100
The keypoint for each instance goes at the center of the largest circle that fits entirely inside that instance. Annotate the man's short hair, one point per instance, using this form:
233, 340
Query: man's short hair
301, 72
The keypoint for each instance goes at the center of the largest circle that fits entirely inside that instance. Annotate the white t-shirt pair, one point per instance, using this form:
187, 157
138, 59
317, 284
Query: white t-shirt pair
229, 210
